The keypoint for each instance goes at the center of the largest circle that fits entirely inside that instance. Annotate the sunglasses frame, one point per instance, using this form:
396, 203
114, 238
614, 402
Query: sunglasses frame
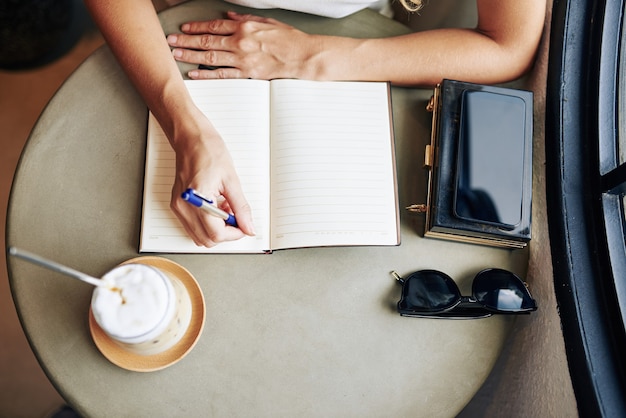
466, 307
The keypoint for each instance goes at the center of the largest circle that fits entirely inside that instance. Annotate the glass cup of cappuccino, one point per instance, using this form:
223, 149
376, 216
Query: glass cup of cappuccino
143, 309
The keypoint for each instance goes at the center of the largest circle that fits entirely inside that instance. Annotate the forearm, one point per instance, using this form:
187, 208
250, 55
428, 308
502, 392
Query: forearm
134, 34
501, 48
420, 58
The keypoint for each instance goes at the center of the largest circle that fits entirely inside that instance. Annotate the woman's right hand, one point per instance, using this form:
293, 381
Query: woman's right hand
134, 34
204, 164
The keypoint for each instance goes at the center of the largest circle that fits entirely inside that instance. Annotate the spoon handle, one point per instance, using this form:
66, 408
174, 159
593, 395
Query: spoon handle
49, 264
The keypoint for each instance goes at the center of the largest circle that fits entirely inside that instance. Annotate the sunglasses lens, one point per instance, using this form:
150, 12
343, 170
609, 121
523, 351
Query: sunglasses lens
428, 291
503, 291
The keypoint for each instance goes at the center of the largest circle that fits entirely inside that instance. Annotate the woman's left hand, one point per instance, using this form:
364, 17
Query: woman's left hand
246, 46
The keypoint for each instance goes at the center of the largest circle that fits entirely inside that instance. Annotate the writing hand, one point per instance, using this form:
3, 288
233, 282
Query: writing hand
248, 46
203, 163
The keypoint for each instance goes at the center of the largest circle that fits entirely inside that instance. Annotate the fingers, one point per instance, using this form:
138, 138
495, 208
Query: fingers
224, 26
207, 49
213, 34
203, 228
205, 41
209, 58
216, 27
240, 208
202, 36
242, 46
223, 73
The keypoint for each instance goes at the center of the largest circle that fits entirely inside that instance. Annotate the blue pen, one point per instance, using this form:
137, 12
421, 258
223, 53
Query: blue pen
191, 196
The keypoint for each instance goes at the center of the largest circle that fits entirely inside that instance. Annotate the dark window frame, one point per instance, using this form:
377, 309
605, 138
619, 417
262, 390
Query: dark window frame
585, 187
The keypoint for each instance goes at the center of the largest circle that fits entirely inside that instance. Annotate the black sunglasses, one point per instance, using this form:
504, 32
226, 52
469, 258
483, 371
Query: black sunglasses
433, 294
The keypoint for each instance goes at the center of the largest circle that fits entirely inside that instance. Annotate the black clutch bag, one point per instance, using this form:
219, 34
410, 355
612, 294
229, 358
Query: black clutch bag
480, 165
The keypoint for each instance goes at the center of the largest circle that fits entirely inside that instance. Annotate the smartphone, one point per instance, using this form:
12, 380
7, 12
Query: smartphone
491, 159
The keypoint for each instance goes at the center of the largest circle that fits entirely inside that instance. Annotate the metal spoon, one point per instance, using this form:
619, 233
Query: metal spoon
43, 262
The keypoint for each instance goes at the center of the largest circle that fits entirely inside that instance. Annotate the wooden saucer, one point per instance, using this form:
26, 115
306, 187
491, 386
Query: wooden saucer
139, 363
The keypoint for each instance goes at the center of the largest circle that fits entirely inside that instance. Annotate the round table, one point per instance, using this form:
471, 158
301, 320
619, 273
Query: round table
302, 332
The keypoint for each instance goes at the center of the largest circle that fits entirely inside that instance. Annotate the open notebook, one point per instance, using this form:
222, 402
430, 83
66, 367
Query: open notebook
316, 161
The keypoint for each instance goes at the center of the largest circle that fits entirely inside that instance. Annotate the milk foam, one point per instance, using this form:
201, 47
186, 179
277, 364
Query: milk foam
138, 304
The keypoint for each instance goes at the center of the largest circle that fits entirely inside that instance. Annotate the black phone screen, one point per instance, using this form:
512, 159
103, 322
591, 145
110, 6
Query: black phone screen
490, 159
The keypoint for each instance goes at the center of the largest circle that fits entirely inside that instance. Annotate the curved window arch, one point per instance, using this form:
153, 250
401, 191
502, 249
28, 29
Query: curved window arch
586, 184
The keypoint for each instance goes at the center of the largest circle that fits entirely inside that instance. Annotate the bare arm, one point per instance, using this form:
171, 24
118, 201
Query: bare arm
500, 48
134, 34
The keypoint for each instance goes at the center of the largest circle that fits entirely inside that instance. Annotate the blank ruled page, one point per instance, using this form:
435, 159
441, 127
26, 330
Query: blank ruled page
239, 110
333, 171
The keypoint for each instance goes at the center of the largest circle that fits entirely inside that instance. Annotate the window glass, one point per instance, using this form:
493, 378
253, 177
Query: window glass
621, 104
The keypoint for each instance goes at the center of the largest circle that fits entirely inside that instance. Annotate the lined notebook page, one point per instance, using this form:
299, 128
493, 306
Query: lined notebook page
333, 171
239, 110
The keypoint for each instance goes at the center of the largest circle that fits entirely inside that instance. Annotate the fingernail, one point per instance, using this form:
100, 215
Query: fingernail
193, 74
172, 39
177, 53
185, 27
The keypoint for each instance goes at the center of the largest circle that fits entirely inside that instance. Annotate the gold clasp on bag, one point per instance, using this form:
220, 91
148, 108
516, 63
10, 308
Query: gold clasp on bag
429, 156
430, 106
419, 208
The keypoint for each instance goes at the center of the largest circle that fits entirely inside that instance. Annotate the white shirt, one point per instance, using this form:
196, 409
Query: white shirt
328, 8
